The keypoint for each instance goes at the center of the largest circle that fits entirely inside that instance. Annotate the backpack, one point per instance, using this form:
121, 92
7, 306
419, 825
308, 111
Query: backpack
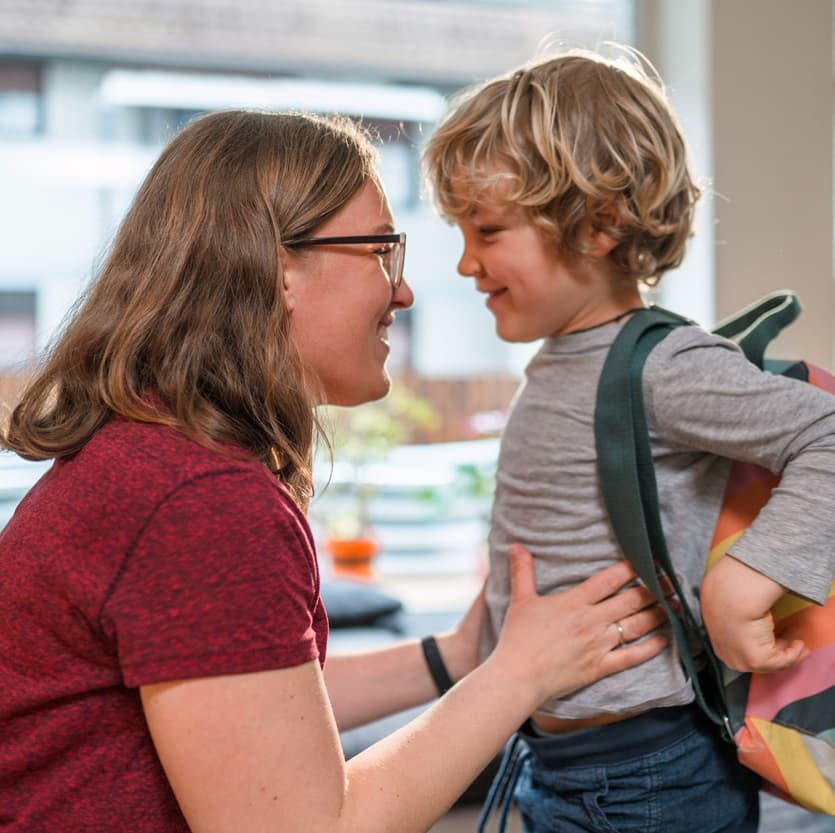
783, 723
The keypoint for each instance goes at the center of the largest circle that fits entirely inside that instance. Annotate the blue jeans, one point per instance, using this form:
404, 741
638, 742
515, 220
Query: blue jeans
664, 772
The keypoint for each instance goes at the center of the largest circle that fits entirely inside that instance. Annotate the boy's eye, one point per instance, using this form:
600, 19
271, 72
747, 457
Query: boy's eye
486, 231
382, 251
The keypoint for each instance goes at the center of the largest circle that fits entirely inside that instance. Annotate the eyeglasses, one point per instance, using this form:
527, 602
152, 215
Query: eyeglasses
393, 253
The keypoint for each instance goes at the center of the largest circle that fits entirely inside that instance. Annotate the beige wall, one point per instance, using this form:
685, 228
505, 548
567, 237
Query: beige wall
772, 146
762, 70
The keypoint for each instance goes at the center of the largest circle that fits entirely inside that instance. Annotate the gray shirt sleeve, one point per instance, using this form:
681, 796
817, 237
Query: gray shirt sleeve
702, 394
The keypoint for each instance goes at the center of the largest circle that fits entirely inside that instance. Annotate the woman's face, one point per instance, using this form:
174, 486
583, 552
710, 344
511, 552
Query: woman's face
341, 303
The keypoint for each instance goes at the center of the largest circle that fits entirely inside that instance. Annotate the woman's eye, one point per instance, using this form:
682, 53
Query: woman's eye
383, 250
486, 231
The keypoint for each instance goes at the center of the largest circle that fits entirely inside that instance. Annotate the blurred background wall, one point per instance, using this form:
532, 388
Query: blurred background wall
91, 89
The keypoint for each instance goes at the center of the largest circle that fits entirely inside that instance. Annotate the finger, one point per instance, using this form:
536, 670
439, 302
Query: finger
667, 586
775, 656
641, 623
624, 604
796, 650
605, 583
522, 583
631, 655
784, 655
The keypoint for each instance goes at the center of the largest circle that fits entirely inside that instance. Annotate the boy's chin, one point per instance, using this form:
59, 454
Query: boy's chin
515, 336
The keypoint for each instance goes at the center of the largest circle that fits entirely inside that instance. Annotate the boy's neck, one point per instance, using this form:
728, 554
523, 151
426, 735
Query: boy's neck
613, 319
608, 299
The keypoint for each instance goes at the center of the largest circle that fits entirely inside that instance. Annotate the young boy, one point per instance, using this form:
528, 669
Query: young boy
568, 179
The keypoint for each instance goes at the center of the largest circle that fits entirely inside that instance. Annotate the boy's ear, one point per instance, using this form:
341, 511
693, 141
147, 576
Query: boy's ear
599, 242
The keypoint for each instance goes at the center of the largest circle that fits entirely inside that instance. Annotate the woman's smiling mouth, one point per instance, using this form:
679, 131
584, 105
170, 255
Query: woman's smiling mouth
493, 296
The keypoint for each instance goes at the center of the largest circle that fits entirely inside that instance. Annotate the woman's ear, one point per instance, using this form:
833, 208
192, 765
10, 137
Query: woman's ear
599, 238
290, 274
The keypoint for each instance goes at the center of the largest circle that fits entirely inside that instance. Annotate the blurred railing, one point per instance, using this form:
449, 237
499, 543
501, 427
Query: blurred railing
467, 407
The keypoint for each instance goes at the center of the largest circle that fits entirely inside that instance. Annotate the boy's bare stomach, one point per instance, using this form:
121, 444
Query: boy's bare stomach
554, 725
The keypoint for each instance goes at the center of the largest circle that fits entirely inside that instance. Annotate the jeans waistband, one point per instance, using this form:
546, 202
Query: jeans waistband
642, 735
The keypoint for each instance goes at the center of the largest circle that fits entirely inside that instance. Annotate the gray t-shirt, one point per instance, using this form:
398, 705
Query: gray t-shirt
706, 405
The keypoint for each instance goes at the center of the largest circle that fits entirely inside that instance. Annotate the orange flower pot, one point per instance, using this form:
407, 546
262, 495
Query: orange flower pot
353, 557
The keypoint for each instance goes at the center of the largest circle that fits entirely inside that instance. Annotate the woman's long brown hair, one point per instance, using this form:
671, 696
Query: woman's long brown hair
186, 324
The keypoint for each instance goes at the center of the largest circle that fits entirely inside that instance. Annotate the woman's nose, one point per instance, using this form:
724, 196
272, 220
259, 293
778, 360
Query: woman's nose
403, 297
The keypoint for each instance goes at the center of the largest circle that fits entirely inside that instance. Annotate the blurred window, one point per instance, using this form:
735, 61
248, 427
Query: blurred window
20, 99
400, 340
399, 165
156, 125
17, 328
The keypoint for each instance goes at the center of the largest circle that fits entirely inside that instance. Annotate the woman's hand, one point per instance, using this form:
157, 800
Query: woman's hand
559, 643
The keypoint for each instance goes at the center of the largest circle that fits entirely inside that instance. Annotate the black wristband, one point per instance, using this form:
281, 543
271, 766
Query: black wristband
435, 663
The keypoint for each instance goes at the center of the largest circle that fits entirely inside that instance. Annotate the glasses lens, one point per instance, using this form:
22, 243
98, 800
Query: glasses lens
394, 264
388, 261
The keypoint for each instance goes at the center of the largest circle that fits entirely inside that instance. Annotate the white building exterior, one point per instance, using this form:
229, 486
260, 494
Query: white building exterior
89, 94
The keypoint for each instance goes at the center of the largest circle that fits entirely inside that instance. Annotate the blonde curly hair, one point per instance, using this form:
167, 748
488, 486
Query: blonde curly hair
576, 139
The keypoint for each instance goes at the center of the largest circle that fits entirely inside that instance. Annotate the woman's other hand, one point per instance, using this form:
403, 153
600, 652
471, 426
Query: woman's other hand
460, 646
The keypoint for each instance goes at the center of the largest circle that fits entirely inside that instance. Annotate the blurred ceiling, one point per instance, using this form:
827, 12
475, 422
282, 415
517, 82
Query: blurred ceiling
448, 43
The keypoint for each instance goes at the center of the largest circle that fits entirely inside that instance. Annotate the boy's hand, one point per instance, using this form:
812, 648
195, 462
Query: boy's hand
736, 603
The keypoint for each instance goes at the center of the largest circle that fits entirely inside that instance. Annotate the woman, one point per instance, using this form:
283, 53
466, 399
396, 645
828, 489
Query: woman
163, 641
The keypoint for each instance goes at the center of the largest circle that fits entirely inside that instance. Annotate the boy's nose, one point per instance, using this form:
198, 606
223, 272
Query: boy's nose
467, 264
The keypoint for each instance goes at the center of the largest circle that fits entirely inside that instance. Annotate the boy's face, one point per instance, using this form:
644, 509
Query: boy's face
533, 291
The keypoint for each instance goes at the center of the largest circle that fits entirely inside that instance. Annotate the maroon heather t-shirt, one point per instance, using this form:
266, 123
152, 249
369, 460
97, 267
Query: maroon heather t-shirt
143, 558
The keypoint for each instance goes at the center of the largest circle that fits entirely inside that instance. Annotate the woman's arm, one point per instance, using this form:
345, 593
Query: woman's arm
260, 752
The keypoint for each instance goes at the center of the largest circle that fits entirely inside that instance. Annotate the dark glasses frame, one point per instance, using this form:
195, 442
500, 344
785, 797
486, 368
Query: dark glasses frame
398, 239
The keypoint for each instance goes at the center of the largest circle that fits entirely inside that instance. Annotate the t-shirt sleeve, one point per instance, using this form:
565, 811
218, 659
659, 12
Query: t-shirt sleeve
222, 580
702, 394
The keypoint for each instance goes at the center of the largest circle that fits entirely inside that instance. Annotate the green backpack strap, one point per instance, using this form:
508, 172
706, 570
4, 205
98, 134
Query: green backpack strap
630, 494
755, 327
627, 472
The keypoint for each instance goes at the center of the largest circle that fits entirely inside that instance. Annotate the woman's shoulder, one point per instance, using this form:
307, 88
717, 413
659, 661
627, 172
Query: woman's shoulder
157, 460
148, 444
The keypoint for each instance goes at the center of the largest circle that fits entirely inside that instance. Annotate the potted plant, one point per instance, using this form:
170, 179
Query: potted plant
361, 437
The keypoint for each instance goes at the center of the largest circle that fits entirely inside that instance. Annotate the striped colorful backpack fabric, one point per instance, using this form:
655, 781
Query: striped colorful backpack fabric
783, 724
